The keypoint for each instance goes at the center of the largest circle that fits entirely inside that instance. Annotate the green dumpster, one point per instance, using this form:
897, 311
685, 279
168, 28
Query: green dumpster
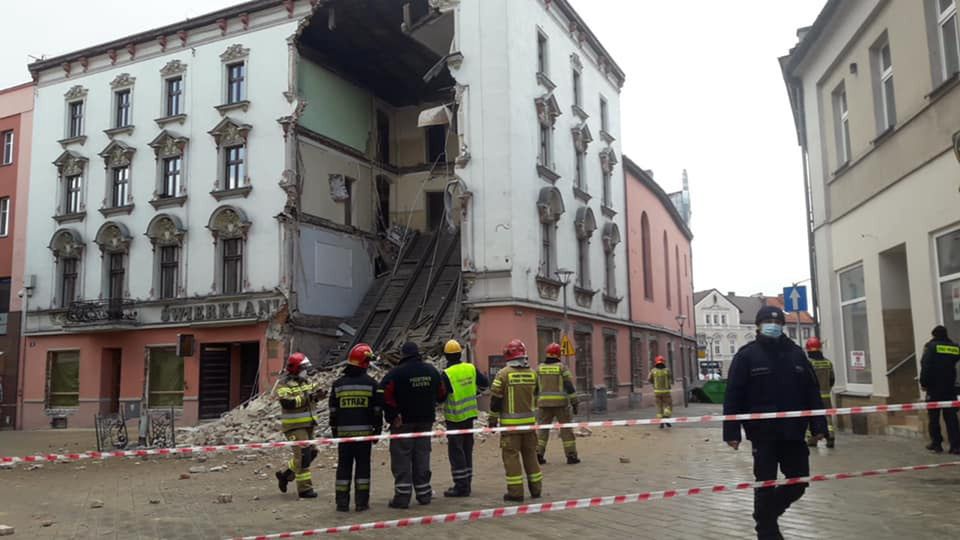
715, 390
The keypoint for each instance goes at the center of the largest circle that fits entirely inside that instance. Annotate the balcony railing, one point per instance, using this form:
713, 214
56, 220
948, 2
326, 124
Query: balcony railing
101, 311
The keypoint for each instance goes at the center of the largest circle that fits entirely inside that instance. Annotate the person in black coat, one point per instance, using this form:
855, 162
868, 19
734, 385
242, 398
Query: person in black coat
938, 374
772, 374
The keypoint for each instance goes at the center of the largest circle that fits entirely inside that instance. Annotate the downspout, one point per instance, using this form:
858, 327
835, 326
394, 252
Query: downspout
808, 200
21, 361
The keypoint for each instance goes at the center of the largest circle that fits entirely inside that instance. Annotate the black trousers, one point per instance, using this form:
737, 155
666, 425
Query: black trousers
460, 452
793, 460
410, 464
949, 418
353, 464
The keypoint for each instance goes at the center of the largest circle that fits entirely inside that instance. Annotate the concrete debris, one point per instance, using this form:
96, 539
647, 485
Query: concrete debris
197, 470
6, 530
218, 468
34, 467
584, 432
224, 498
201, 459
47, 523
256, 497
624, 460
155, 501
96, 503
184, 476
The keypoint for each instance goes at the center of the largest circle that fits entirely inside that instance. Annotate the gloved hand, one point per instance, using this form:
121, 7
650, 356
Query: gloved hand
493, 421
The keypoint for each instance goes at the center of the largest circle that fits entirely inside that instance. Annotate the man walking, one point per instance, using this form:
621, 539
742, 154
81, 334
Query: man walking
411, 392
823, 368
463, 383
662, 381
938, 372
558, 396
772, 374
298, 398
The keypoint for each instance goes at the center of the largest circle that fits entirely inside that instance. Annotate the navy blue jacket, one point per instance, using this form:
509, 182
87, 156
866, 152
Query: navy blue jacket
938, 369
411, 391
772, 375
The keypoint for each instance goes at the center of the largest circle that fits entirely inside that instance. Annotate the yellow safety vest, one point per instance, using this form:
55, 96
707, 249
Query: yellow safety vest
662, 380
462, 405
301, 414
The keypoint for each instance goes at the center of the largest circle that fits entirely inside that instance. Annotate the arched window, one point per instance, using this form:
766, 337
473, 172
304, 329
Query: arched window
166, 234
114, 241
645, 248
67, 248
229, 226
666, 269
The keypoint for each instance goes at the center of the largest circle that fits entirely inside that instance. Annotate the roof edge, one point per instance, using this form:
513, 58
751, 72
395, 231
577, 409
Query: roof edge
565, 6
799, 52
635, 170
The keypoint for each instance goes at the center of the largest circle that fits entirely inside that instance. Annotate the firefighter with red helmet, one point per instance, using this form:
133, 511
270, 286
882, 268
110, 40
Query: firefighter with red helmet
557, 397
514, 403
662, 381
298, 397
356, 409
826, 378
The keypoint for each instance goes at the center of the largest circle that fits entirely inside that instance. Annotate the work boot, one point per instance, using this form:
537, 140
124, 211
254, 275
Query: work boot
935, 448
572, 459
540, 459
955, 451
513, 498
343, 507
831, 442
662, 426
308, 494
282, 480
423, 501
362, 501
456, 492
343, 501
395, 503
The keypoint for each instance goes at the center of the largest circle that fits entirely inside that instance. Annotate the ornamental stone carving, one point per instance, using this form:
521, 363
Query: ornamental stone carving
113, 238
608, 160
585, 223
66, 243
582, 137
168, 144
76, 92
547, 109
235, 52
230, 133
118, 154
70, 164
123, 80
550, 204
576, 62
228, 222
166, 230
173, 67
611, 237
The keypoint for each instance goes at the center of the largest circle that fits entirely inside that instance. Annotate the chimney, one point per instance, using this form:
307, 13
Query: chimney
731, 293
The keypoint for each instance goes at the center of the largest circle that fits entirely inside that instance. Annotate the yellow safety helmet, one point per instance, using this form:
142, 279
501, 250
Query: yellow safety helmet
452, 347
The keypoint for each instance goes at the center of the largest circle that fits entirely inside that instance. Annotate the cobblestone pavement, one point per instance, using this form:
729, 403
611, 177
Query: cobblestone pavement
148, 500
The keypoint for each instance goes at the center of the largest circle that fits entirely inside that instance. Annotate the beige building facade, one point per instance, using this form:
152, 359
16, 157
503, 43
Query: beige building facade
874, 90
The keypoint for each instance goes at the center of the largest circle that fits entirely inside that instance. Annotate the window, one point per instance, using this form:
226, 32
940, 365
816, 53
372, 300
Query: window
723, 319
75, 128
607, 190
236, 82
174, 92
805, 333
583, 263
610, 267
577, 88
883, 68
7, 148
383, 137
546, 336
948, 277
604, 115
348, 203
73, 187
436, 144
63, 389
122, 117
948, 37
120, 190
542, 54
610, 363
232, 265
547, 232
676, 268
666, 269
235, 168
169, 269
165, 378
636, 363
856, 336
842, 118
578, 176
5, 216
117, 274
435, 210
647, 261
716, 346
4, 304
171, 177
792, 332
70, 271
546, 134
733, 345
584, 364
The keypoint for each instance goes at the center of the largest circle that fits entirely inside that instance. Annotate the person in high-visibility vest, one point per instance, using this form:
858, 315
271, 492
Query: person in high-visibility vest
662, 381
464, 383
513, 403
557, 396
938, 371
297, 398
826, 379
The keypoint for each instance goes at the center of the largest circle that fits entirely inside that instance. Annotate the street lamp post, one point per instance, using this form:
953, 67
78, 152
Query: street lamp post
681, 319
564, 276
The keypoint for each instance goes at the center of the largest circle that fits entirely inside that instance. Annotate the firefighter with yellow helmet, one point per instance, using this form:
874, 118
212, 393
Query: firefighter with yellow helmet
513, 403
558, 396
662, 381
298, 398
464, 383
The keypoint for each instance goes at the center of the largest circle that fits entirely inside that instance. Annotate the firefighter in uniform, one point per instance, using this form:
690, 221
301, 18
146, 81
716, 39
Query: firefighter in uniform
513, 403
662, 381
826, 378
463, 383
938, 370
297, 398
356, 409
557, 396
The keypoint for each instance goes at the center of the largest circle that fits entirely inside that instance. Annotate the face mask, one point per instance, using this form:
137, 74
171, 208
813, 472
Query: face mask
771, 330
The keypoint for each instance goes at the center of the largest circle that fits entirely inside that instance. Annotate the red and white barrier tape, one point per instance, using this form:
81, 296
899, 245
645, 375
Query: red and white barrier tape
589, 502
192, 450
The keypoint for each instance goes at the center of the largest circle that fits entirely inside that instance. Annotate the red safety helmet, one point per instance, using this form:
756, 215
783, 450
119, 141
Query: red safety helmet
360, 355
297, 362
813, 344
554, 350
659, 361
514, 350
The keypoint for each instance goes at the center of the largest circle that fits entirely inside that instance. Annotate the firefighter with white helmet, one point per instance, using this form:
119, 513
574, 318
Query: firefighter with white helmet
298, 398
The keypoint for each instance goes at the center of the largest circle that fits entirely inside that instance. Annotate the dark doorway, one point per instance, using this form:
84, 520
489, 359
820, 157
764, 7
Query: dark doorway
249, 370
436, 144
383, 137
434, 210
383, 204
111, 378
584, 365
214, 399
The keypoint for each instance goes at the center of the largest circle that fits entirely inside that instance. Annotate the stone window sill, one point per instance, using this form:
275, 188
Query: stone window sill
579, 112
548, 288
73, 140
608, 138
584, 296
75, 217
117, 210
125, 130
179, 118
545, 81
581, 194
221, 194
227, 107
547, 174
168, 202
607, 211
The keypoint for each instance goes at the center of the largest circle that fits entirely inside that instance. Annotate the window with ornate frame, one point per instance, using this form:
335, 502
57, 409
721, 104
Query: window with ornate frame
118, 159
166, 234
114, 239
233, 179
173, 103
610, 361
74, 125
229, 226
547, 112
584, 225
66, 245
608, 163
71, 196
549, 207
611, 239
122, 121
581, 141
235, 78
170, 151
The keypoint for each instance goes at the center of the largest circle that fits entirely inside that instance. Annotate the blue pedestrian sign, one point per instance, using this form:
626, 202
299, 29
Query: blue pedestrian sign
795, 298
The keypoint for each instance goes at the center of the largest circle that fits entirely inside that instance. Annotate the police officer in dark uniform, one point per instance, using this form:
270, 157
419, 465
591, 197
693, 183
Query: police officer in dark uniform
773, 374
938, 373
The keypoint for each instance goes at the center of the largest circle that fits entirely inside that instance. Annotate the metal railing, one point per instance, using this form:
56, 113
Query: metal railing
101, 311
911, 356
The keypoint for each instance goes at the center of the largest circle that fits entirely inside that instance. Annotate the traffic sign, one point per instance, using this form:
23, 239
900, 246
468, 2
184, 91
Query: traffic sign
566, 348
795, 298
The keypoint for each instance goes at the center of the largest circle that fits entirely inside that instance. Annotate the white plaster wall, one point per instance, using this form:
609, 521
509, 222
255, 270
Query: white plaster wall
335, 293
267, 79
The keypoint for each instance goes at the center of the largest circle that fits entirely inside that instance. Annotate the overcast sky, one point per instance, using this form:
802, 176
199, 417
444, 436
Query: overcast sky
704, 92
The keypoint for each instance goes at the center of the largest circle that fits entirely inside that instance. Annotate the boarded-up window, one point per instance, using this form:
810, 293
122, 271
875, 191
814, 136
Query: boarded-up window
165, 386
64, 389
